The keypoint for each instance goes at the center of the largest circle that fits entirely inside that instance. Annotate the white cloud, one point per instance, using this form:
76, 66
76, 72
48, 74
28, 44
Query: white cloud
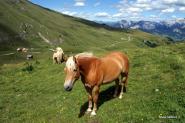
142, 5
182, 9
159, 9
143, 1
117, 15
79, 3
147, 5
153, 18
169, 10
102, 14
134, 9
69, 13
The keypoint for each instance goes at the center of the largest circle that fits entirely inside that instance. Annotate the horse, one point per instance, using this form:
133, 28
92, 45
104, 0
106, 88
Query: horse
22, 50
58, 55
95, 72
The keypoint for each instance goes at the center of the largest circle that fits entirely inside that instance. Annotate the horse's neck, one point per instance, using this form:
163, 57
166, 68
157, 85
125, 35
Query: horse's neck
85, 63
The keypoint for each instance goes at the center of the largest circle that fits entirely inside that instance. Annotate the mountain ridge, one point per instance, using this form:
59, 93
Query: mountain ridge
171, 28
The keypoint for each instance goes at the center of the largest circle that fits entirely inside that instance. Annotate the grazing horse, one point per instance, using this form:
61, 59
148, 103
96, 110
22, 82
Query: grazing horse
58, 55
97, 71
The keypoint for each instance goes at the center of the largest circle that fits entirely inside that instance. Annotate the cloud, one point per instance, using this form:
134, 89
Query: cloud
134, 9
147, 5
69, 13
79, 3
102, 14
138, 8
117, 15
182, 9
143, 1
174, 2
169, 10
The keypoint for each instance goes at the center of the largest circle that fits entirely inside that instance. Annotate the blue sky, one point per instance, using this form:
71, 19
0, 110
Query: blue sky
114, 10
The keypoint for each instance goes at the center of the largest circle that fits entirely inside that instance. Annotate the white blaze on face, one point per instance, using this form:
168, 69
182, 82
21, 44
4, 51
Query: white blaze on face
70, 77
70, 64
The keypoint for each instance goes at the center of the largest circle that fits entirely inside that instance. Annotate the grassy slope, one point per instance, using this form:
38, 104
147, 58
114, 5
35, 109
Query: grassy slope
75, 32
38, 96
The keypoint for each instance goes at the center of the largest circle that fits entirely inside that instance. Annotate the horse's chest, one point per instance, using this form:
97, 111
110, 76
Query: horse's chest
92, 79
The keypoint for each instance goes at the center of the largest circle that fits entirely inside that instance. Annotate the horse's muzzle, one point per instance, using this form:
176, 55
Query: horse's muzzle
68, 88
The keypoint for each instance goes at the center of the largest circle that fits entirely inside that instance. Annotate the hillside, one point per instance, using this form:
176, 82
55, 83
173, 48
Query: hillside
22, 21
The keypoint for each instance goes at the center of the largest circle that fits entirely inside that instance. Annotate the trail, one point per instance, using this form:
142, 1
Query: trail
7, 54
44, 38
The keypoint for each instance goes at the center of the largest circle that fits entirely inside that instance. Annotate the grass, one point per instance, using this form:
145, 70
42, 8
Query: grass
155, 88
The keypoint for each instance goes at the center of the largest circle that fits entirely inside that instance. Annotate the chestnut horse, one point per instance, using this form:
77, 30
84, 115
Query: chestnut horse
97, 71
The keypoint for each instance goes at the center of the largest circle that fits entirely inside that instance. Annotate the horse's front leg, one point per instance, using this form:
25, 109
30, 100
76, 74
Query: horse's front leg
89, 91
90, 103
95, 94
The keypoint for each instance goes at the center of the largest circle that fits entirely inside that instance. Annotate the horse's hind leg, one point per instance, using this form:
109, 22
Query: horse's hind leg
116, 88
58, 60
95, 94
124, 78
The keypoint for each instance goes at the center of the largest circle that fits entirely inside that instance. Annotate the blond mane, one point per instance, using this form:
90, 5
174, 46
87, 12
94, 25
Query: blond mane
84, 54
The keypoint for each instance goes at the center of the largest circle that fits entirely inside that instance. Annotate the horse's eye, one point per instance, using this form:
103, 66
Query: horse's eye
65, 69
75, 70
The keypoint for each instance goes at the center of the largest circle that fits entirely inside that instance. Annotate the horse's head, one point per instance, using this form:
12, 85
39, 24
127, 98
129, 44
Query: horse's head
72, 73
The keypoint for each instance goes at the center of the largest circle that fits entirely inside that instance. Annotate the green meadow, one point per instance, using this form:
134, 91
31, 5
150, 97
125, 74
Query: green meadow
32, 91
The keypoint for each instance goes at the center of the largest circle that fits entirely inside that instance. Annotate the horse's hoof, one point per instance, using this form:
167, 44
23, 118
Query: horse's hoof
120, 97
93, 113
88, 111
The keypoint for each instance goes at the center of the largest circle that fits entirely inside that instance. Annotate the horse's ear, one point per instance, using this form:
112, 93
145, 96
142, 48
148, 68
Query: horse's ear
74, 59
65, 57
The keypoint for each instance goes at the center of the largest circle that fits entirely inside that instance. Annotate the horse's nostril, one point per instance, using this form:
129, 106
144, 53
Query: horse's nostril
68, 88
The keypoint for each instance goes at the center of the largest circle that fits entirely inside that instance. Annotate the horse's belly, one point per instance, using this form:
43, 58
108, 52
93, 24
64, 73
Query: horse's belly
111, 72
109, 78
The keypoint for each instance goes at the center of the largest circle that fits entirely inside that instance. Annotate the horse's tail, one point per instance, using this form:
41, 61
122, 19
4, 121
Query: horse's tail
125, 72
124, 80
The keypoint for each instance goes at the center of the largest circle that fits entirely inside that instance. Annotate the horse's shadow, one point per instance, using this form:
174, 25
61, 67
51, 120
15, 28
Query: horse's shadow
104, 96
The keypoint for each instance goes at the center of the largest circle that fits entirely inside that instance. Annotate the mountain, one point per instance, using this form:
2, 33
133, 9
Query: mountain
172, 28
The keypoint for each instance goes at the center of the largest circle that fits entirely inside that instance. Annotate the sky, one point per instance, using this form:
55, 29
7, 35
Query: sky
115, 10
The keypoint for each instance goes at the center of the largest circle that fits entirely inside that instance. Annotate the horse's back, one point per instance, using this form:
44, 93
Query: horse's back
118, 55
121, 59
112, 65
